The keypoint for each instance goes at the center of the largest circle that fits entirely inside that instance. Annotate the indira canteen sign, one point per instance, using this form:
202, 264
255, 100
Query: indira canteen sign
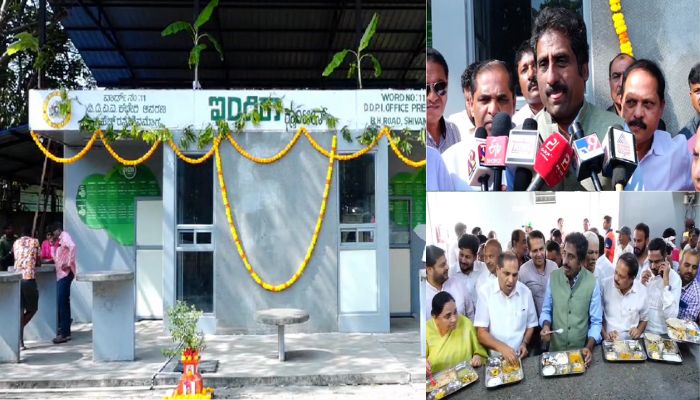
177, 109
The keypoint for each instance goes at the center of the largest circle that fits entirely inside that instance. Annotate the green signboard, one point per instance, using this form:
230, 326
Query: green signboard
107, 201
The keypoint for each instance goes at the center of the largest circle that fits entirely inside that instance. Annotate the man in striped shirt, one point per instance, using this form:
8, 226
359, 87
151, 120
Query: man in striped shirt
689, 307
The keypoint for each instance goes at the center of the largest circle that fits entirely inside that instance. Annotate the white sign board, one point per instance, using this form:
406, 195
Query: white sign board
177, 109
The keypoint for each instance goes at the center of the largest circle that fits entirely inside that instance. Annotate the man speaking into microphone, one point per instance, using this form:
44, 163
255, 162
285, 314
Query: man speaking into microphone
561, 57
664, 161
493, 91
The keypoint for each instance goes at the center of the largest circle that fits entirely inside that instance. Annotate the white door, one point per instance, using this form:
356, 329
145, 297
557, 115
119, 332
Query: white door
149, 258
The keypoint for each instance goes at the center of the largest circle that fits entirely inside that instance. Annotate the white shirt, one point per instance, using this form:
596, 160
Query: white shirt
452, 255
521, 115
484, 280
437, 176
665, 167
623, 312
663, 302
464, 124
507, 317
603, 269
430, 292
620, 251
456, 159
463, 296
469, 280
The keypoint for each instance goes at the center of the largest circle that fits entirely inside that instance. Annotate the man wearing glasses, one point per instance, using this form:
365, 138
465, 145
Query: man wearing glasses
441, 133
663, 287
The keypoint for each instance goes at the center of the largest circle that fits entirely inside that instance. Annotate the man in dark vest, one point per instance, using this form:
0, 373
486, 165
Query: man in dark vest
572, 303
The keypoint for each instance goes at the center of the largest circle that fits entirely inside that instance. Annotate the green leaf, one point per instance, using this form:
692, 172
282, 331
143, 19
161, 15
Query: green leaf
175, 27
24, 41
377, 66
216, 44
194, 54
204, 16
352, 69
369, 32
345, 131
338, 59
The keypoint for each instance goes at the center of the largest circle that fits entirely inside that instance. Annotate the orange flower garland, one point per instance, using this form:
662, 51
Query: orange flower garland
63, 160
124, 161
199, 160
314, 238
621, 28
268, 160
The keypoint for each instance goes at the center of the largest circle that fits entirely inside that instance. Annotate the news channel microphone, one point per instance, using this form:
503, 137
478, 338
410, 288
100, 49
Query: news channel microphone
522, 152
588, 160
552, 163
496, 146
478, 174
620, 156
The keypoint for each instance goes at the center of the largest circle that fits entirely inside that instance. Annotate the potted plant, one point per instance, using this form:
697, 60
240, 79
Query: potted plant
190, 341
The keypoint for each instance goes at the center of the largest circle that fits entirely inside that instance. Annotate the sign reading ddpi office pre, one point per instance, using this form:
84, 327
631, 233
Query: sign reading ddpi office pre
177, 109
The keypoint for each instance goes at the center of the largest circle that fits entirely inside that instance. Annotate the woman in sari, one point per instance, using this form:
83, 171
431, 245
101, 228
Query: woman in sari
451, 338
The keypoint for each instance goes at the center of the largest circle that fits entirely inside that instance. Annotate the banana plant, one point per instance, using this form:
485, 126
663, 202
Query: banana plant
356, 64
197, 37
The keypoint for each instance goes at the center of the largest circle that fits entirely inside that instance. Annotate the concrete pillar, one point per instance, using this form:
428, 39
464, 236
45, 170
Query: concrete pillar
42, 327
11, 316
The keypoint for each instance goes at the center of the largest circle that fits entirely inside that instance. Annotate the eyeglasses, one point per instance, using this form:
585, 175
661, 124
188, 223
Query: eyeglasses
440, 88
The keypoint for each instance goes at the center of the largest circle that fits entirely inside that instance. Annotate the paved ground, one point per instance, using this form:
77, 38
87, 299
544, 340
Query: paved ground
333, 359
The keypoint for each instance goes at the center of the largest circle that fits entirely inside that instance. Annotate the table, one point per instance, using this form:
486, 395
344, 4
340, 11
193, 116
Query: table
602, 380
281, 317
113, 314
43, 326
11, 316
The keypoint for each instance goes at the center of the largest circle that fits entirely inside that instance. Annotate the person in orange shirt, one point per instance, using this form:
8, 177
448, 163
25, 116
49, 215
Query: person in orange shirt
609, 238
27, 257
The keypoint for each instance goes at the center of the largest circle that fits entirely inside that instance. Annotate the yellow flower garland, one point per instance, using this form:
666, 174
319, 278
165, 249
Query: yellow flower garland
314, 238
620, 27
199, 160
268, 160
397, 151
63, 160
124, 161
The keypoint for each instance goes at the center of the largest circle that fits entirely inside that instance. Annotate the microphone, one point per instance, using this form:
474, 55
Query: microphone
552, 162
478, 173
522, 152
620, 156
588, 160
496, 146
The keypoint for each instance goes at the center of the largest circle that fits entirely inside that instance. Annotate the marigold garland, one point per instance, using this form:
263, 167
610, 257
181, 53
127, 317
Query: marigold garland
124, 161
268, 160
397, 151
64, 160
621, 28
199, 160
314, 238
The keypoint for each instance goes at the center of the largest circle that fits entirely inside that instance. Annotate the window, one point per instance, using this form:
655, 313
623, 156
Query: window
195, 279
357, 191
195, 193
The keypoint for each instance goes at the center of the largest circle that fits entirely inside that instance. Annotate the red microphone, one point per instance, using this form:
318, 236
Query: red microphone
552, 163
497, 146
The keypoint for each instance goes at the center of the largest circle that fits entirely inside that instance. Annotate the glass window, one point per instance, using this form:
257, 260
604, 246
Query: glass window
203, 237
195, 272
357, 190
186, 237
195, 193
400, 221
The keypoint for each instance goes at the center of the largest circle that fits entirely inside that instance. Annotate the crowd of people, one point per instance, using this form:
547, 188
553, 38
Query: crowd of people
552, 68
569, 291
23, 254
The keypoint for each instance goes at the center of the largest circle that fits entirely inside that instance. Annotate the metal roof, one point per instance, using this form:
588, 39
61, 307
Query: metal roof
267, 44
21, 160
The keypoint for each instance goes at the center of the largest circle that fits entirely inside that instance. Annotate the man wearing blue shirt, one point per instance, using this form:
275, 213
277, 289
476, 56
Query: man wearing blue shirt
572, 303
664, 161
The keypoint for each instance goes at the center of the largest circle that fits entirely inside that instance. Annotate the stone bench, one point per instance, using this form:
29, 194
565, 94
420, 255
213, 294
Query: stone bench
281, 317
11, 316
113, 314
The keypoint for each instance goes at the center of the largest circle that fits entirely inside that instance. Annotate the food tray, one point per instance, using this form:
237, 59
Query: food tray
499, 373
623, 351
683, 331
662, 350
450, 381
560, 363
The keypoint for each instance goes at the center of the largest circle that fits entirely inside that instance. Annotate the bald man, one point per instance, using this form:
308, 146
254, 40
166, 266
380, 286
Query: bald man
599, 269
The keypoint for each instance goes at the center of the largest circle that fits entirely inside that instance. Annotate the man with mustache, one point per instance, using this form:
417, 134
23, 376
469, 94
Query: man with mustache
599, 270
693, 125
554, 252
560, 45
436, 273
689, 306
663, 287
527, 82
464, 119
535, 272
640, 240
462, 283
624, 239
441, 134
492, 92
625, 302
506, 316
664, 162
572, 302
616, 69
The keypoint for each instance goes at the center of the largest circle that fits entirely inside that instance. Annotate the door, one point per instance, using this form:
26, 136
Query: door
149, 258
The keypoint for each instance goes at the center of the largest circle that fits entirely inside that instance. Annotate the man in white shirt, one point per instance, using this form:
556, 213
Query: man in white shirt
623, 244
663, 287
625, 303
453, 248
436, 174
462, 284
527, 82
464, 119
506, 315
664, 161
592, 259
492, 251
